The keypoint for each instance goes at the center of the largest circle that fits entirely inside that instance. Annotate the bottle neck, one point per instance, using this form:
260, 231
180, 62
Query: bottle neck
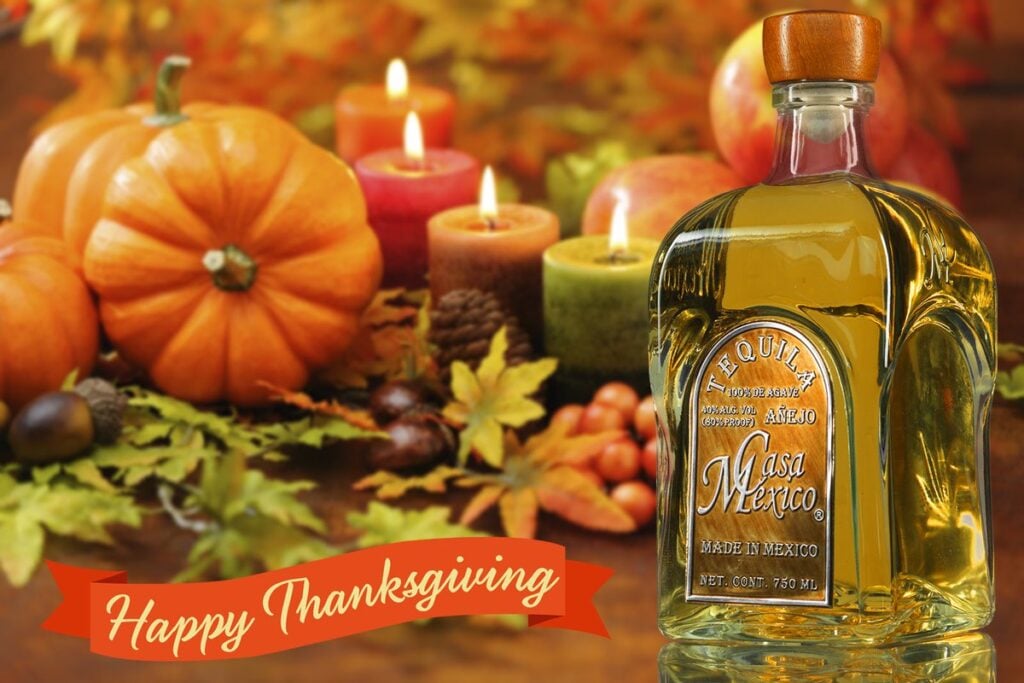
820, 129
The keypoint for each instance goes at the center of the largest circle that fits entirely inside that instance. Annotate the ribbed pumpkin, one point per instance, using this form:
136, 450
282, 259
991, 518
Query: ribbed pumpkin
48, 323
65, 173
232, 252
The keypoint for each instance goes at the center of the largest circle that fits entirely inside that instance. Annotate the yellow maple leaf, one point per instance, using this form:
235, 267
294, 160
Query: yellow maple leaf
494, 397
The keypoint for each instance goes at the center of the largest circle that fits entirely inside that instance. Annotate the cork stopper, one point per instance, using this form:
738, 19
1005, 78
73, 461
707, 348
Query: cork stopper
821, 46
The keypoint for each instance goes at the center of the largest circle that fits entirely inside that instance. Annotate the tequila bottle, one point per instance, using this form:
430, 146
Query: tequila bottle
822, 358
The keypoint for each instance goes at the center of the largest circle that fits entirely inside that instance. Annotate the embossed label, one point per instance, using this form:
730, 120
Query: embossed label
761, 471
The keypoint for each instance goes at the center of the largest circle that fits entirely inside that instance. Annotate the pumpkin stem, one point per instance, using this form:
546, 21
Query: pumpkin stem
231, 268
167, 96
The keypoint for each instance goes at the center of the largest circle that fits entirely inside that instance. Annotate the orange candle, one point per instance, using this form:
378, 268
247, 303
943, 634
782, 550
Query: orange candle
369, 118
495, 248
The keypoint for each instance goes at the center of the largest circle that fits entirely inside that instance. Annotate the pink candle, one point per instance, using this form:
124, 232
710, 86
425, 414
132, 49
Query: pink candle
403, 189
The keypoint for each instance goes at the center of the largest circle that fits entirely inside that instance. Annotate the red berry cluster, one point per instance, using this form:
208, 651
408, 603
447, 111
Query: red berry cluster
624, 466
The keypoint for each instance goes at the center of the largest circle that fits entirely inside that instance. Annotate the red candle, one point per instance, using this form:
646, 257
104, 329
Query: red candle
496, 248
403, 189
369, 118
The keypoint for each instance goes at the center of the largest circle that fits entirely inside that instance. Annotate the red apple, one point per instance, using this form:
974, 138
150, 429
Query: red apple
660, 190
743, 120
926, 162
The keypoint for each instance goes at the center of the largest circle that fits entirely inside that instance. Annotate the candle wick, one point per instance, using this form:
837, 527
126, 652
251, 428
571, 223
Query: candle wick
491, 223
620, 256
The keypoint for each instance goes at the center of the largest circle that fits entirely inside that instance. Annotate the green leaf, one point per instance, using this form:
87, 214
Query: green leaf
87, 473
149, 434
382, 524
28, 508
249, 543
133, 465
43, 475
174, 411
21, 547
571, 178
83, 513
275, 499
333, 429
70, 381
1011, 384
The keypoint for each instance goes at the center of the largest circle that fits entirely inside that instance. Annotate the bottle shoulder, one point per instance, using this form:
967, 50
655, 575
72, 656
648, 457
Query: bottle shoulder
865, 218
840, 243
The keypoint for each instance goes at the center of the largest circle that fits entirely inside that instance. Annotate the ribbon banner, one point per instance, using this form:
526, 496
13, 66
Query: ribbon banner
327, 599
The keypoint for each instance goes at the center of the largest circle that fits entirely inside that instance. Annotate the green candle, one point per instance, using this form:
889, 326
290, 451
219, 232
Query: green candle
595, 310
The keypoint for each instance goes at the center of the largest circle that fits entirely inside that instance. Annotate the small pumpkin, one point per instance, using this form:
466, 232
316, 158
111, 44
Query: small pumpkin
232, 252
48, 324
64, 175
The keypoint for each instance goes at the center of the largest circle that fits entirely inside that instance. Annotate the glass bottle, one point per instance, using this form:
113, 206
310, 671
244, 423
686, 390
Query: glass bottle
822, 359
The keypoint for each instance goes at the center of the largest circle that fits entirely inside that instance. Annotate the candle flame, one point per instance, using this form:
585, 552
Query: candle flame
397, 80
413, 136
488, 196
618, 235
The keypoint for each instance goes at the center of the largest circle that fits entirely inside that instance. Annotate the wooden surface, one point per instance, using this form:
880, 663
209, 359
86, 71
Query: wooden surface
454, 651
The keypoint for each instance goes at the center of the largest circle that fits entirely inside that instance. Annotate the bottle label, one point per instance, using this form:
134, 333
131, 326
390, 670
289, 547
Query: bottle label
761, 471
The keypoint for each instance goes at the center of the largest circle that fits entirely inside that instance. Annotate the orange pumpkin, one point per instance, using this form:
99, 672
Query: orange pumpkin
48, 324
232, 252
63, 177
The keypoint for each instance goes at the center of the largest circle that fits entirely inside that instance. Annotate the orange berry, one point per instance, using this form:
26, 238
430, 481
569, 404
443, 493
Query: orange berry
569, 415
637, 499
649, 459
618, 461
644, 419
598, 417
620, 396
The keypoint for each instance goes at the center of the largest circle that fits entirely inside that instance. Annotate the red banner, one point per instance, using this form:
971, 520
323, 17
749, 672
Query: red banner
327, 599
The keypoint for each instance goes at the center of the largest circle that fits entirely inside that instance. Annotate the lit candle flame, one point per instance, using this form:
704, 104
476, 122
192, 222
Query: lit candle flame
397, 80
488, 196
618, 235
413, 136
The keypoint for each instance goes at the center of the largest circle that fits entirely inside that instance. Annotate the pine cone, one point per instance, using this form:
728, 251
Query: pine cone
462, 325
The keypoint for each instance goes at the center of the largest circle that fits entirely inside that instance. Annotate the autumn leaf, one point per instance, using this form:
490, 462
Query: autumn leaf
542, 474
494, 397
391, 342
518, 508
390, 485
538, 475
357, 418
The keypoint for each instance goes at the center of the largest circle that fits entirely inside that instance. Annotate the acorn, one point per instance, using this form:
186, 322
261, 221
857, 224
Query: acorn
56, 426
414, 441
107, 405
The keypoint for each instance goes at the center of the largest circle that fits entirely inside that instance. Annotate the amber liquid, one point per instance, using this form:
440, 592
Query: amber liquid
900, 297
954, 659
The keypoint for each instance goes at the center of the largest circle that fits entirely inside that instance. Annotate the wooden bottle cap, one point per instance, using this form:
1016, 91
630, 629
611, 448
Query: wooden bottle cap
821, 46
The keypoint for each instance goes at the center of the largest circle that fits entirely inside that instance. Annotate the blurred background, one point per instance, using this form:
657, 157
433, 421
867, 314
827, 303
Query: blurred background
555, 94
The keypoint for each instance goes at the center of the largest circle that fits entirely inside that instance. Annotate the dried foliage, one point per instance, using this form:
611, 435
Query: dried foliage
534, 80
540, 474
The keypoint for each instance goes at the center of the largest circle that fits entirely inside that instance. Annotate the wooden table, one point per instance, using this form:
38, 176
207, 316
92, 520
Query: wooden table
453, 651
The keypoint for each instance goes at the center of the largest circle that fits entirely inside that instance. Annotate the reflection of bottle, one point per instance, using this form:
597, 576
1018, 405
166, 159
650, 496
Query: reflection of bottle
823, 360
960, 659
